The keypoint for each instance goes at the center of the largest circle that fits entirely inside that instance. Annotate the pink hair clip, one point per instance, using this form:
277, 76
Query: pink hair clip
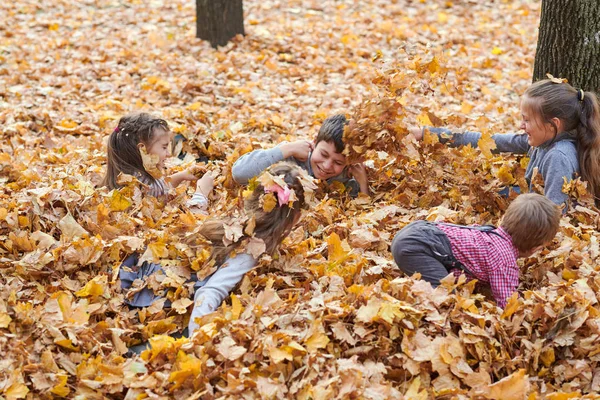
283, 194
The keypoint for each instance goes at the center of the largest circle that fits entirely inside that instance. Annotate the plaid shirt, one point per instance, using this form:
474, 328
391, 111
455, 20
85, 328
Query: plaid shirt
488, 257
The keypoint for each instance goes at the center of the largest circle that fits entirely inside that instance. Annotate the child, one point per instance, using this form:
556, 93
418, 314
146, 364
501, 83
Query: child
323, 159
139, 136
562, 136
139, 146
289, 187
485, 253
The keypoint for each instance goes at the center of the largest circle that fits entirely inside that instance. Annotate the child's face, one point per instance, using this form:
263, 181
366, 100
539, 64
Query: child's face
538, 132
161, 143
326, 162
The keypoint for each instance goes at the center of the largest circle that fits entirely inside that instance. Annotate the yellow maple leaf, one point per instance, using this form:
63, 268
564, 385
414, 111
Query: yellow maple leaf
118, 202
512, 305
513, 387
486, 144
389, 312
280, 354
317, 340
186, 366
269, 202
236, 307
335, 251
505, 175
423, 119
61, 389
5, 320
16, 391
93, 288
159, 249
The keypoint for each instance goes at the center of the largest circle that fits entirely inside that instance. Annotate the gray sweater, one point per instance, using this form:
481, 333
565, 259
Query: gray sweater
555, 159
252, 164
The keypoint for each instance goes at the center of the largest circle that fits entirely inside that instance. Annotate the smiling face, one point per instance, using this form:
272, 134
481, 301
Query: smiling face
160, 146
326, 162
538, 131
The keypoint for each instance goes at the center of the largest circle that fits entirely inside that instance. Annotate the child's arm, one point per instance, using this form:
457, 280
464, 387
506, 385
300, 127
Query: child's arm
359, 173
504, 278
505, 143
210, 296
177, 178
252, 164
204, 187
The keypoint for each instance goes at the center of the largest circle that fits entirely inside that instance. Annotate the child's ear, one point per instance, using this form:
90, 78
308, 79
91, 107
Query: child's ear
558, 123
142, 146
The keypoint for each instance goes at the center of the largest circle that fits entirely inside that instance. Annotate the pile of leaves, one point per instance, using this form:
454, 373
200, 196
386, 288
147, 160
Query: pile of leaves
328, 315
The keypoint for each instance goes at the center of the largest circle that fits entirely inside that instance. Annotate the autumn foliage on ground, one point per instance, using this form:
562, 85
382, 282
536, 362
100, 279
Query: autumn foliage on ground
328, 316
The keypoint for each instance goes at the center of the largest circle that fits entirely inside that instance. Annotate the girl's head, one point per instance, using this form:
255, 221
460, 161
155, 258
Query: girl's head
550, 107
281, 183
134, 133
275, 205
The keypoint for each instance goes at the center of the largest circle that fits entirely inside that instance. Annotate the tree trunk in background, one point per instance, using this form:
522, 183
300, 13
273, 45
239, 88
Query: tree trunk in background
569, 42
219, 20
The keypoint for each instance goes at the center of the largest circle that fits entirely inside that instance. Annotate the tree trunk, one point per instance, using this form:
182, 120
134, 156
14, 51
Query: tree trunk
569, 42
219, 20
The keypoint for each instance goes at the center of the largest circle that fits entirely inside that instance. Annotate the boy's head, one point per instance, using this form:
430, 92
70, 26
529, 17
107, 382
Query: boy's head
327, 159
532, 221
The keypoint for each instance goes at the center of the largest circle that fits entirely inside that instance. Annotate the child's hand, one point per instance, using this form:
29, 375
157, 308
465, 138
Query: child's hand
359, 172
205, 184
417, 132
299, 149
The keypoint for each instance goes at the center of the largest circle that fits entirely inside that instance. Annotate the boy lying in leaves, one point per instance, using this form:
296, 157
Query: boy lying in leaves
485, 253
323, 159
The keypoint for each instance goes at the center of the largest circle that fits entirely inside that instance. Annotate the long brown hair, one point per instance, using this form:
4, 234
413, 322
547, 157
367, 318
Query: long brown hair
123, 154
579, 112
273, 226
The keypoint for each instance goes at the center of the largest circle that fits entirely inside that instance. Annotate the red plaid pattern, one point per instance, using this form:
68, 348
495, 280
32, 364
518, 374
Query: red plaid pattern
489, 258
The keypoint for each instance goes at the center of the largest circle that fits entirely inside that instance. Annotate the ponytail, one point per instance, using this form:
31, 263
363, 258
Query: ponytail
588, 142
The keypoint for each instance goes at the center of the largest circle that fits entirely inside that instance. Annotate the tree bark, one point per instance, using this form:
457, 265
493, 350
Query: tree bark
219, 20
569, 42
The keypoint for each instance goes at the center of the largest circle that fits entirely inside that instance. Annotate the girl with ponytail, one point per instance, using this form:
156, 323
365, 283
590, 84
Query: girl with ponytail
562, 136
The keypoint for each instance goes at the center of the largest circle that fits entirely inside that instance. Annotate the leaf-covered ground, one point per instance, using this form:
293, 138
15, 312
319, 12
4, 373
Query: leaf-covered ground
328, 316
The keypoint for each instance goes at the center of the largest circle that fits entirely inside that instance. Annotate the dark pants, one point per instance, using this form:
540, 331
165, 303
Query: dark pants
422, 247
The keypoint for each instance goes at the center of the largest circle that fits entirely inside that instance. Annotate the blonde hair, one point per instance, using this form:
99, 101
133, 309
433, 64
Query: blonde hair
531, 220
272, 227
579, 112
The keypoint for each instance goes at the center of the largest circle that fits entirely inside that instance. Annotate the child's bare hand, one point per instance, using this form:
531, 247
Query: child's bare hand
359, 172
417, 132
299, 149
205, 184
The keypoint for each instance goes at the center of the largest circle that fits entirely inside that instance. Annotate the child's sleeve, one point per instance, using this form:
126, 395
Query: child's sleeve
504, 280
252, 164
198, 200
210, 296
505, 143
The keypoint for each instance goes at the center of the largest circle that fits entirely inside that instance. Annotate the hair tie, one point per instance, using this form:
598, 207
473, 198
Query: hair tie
116, 130
283, 194
580, 94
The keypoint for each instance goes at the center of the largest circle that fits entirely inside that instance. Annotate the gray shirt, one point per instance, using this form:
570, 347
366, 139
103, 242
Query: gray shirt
555, 159
252, 164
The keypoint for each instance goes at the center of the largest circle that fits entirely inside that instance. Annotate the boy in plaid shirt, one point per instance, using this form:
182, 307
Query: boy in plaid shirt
485, 253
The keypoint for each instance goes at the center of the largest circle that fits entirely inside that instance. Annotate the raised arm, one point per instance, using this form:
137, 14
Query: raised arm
252, 164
